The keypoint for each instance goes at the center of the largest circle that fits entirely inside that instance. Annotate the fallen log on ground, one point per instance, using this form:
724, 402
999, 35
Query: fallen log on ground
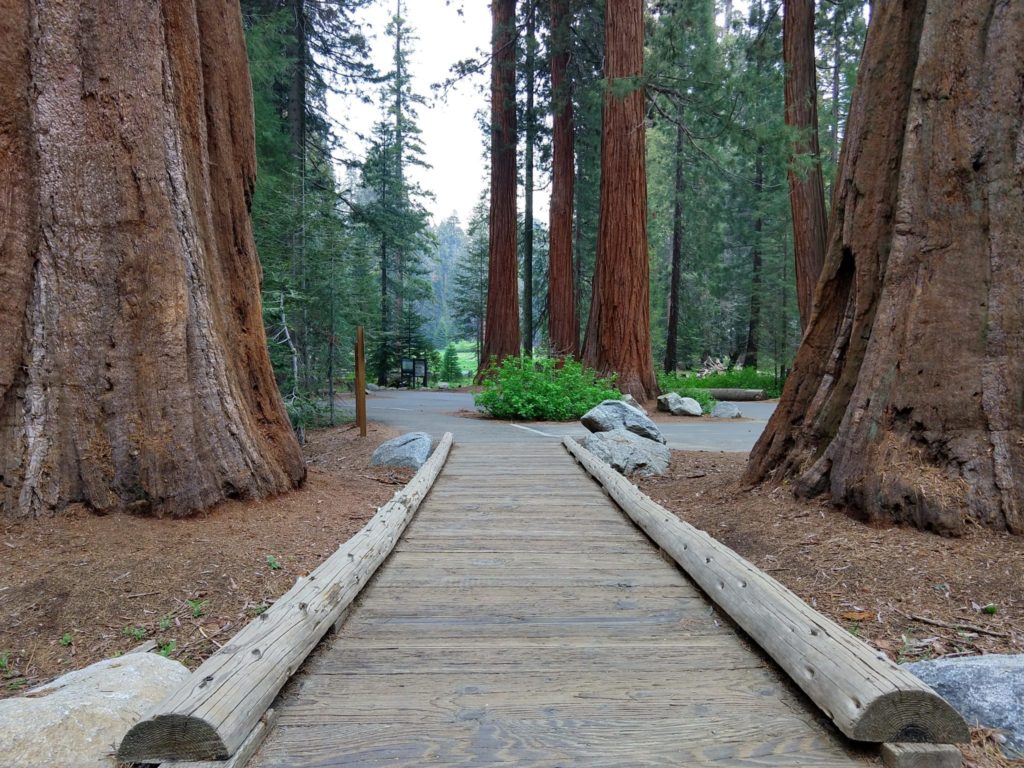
736, 395
212, 714
867, 697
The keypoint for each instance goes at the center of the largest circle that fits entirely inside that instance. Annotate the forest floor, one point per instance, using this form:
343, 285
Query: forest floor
83, 587
911, 594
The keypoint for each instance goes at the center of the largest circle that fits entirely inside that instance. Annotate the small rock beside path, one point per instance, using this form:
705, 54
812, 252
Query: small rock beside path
610, 415
410, 450
628, 453
674, 403
726, 411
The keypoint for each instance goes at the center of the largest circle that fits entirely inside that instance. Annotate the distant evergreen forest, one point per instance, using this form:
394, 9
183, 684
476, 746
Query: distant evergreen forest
344, 245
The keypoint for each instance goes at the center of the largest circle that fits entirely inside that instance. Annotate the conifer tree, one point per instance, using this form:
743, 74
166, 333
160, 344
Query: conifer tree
501, 332
619, 332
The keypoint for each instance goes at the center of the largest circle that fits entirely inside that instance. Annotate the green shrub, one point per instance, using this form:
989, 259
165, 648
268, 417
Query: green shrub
745, 378
543, 389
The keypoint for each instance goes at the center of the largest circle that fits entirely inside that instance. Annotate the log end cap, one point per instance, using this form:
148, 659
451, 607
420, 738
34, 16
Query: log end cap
914, 716
171, 737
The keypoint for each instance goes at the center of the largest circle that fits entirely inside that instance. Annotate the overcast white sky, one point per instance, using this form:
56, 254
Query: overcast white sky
450, 135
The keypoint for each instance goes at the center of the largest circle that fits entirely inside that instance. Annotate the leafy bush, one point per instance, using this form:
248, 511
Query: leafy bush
745, 378
543, 389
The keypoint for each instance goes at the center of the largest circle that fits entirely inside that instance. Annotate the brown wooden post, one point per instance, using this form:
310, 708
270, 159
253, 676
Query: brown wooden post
360, 382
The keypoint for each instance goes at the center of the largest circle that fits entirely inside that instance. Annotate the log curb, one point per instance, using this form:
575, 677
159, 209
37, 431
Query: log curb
867, 697
212, 714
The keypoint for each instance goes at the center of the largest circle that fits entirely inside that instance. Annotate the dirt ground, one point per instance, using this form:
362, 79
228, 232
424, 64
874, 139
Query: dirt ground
83, 587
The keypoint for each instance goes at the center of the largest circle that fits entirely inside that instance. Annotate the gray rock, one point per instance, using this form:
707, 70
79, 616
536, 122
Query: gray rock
627, 452
672, 403
984, 689
372, 387
409, 450
615, 414
628, 399
77, 720
726, 411
443, 385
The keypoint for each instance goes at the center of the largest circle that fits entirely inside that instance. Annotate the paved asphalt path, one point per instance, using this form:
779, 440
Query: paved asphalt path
437, 412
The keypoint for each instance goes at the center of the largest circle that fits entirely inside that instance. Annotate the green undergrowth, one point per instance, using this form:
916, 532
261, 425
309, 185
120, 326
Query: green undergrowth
543, 389
745, 378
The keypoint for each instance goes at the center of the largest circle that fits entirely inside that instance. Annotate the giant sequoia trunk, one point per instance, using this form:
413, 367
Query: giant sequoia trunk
619, 329
133, 365
563, 327
806, 190
501, 333
905, 401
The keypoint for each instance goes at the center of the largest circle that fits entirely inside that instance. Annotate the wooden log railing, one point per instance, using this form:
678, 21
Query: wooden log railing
214, 711
868, 697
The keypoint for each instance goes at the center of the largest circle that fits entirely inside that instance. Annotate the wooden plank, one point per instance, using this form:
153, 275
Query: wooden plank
867, 697
696, 654
324, 705
214, 711
921, 756
637, 628
497, 577
554, 598
559, 742
567, 546
747, 686
469, 562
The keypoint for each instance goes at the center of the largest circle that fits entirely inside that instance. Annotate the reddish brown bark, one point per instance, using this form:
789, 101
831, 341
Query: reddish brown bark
676, 257
905, 398
563, 326
501, 333
806, 190
619, 329
134, 373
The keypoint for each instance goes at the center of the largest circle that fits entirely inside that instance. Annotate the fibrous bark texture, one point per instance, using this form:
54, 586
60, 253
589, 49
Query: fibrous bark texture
501, 333
676, 258
906, 400
134, 373
563, 326
806, 190
619, 329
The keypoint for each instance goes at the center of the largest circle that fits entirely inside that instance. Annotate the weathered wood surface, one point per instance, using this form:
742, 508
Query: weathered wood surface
216, 710
868, 698
538, 629
921, 756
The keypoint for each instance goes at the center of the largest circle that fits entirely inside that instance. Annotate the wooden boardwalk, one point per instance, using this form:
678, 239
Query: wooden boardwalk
523, 620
